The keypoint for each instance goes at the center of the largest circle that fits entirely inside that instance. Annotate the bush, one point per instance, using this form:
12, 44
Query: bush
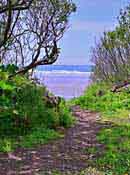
66, 119
25, 112
92, 97
22, 106
30, 104
98, 97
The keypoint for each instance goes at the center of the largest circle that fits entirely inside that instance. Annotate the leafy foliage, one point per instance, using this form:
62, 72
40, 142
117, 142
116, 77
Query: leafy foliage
98, 97
116, 157
25, 112
66, 119
111, 53
39, 136
114, 109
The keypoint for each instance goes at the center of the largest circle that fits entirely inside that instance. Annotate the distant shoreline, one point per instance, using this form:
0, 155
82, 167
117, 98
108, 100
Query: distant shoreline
65, 83
67, 68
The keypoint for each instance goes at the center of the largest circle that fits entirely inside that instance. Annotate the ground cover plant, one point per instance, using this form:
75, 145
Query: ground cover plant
26, 119
114, 109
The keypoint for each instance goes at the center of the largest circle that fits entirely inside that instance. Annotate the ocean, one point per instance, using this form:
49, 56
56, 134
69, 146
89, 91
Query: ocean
66, 81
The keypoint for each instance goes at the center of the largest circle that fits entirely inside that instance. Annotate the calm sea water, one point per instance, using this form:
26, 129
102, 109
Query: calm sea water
65, 81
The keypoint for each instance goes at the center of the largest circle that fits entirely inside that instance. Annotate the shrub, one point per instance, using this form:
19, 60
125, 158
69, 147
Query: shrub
24, 112
66, 119
98, 97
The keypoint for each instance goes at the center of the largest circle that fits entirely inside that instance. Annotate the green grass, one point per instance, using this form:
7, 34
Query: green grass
98, 97
34, 138
116, 157
91, 150
39, 136
114, 109
27, 118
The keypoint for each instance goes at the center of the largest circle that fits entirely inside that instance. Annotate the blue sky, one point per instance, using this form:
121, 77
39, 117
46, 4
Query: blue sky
86, 25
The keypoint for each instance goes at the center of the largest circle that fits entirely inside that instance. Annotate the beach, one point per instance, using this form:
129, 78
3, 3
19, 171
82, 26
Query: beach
65, 83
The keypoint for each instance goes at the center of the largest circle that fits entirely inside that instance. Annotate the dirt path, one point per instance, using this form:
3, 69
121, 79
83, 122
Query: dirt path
64, 155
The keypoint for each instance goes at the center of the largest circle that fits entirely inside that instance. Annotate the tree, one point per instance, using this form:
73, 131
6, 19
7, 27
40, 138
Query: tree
112, 54
30, 31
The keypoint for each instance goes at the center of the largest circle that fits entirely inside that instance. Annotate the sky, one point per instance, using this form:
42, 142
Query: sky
91, 19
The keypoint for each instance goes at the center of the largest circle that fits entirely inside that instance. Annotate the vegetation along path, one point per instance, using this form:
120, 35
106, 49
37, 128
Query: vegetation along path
65, 155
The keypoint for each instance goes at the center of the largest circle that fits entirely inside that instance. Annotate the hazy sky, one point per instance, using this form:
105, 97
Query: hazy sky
90, 20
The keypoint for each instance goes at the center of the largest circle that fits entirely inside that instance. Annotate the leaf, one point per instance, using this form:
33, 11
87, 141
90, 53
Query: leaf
15, 112
5, 86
